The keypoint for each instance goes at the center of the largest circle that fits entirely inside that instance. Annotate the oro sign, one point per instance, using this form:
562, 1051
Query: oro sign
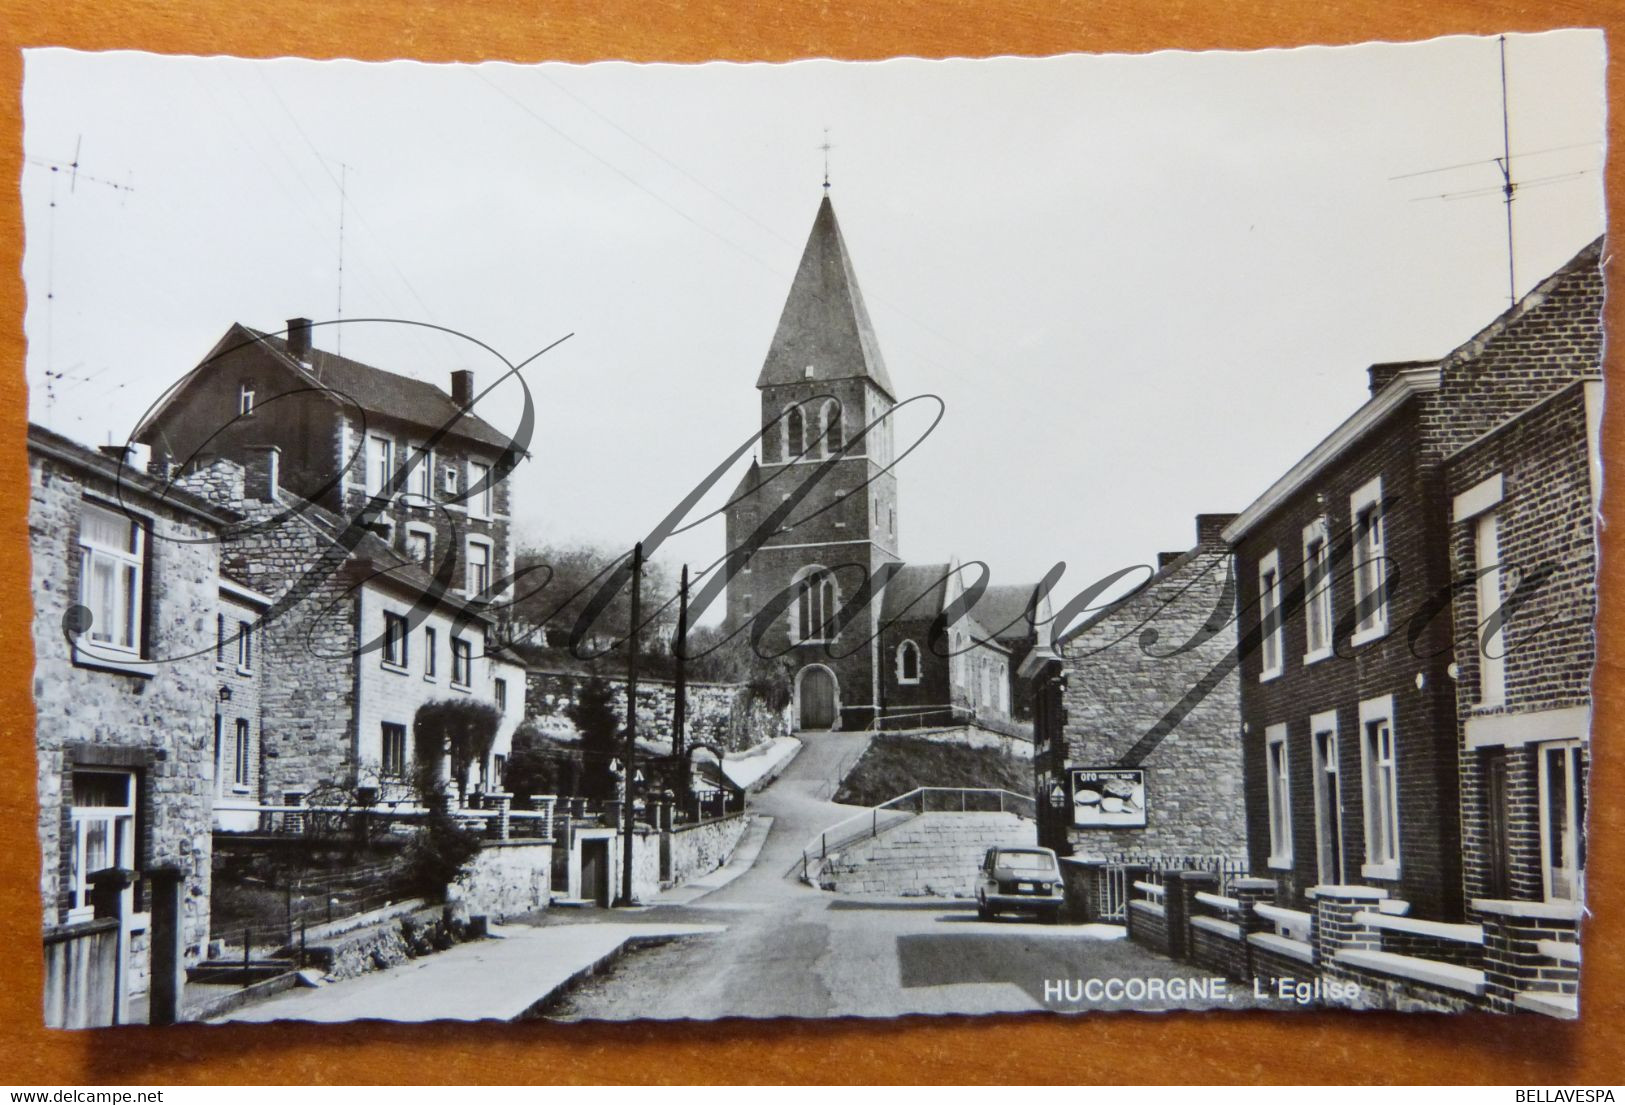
1108, 797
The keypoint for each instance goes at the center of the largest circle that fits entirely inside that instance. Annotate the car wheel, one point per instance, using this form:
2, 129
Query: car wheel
983, 911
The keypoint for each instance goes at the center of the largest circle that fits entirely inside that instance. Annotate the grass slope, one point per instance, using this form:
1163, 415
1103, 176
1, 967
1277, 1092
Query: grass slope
897, 764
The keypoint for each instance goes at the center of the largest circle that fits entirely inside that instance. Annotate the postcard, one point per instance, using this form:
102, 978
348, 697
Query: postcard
621, 541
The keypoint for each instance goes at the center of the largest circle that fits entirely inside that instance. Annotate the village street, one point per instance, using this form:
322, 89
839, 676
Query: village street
785, 949
752, 940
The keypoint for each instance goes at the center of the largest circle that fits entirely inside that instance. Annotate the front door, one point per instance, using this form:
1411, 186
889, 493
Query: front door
817, 698
595, 871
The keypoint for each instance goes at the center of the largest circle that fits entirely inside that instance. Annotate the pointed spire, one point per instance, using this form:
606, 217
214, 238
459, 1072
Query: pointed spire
824, 331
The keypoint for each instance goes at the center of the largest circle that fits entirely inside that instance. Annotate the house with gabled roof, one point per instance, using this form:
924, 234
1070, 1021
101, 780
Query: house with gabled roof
429, 472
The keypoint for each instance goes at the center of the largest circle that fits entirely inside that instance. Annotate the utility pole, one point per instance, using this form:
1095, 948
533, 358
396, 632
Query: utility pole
679, 708
627, 760
1508, 188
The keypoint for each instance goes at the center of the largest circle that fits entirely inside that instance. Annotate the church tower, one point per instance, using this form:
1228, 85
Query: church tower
824, 385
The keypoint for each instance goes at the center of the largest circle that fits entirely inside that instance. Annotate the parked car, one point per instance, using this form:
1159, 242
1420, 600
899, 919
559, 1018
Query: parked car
1019, 880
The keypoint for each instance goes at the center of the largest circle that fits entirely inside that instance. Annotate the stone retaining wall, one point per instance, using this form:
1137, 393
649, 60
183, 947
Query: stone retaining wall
725, 714
506, 879
700, 849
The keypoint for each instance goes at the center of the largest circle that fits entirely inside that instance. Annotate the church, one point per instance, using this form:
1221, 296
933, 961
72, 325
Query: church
820, 579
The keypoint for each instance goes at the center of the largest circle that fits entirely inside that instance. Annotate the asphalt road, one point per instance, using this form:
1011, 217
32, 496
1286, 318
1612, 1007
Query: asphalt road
789, 950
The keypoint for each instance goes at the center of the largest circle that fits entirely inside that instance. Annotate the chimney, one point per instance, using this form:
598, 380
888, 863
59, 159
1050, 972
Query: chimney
462, 387
261, 472
1208, 527
1166, 558
1381, 375
299, 338
117, 453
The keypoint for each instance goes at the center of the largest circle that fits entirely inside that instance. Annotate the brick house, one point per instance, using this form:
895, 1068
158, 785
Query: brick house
356, 637
1110, 701
1523, 489
813, 525
1346, 570
352, 438
126, 582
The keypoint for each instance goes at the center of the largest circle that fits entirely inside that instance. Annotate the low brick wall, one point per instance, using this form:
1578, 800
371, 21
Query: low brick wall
1271, 964
1148, 926
700, 849
1220, 951
506, 879
932, 855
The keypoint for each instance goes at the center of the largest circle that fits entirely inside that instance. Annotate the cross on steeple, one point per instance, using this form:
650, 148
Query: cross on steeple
826, 147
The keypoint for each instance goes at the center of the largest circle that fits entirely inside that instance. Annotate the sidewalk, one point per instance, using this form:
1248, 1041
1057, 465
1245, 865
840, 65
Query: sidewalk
496, 979
744, 857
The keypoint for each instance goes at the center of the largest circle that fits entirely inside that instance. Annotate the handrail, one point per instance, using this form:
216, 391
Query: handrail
821, 843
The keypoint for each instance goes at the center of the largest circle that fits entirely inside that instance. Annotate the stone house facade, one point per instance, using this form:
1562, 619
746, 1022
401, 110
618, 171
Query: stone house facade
429, 474
1350, 578
356, 636
933, 673
126, 583
1108, 697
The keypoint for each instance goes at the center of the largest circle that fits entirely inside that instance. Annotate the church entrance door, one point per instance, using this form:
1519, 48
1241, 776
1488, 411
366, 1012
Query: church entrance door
817, 698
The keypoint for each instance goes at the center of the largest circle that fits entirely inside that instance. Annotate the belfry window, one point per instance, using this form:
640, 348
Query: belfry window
793, 434
832, 428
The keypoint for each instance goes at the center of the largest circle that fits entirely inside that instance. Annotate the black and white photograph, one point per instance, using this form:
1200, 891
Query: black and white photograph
617, 542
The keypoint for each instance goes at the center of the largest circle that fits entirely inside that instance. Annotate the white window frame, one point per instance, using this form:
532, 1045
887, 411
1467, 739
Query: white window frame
470, 582
1278, 786
126, 600
121, 844
427, 533
1379, 789
1317, 582
384, 735
245, 399
245, 647
499, 693
902, 672
1325, 725
1371, 548
1571, 866
431, 646
242, 744
1492, 672
1272, 645
380, 464
482, 505
396, 652
422, 475
448, 480
462, 656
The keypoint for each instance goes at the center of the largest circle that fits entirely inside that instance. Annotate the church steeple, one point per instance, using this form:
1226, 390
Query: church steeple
824, 331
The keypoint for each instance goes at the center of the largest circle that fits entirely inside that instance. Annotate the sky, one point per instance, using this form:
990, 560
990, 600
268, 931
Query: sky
1142, 286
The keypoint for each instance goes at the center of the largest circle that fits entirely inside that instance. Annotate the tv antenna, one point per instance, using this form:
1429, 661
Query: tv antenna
74, 174
1510, 187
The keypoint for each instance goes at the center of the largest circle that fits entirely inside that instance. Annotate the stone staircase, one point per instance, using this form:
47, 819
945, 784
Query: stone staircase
933, 854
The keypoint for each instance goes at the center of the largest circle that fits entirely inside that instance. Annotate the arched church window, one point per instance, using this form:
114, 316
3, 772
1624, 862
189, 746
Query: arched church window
816, 606
908, 662
793, 434
832, 427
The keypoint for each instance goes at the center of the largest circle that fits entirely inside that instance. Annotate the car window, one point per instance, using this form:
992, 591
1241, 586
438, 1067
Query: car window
1027, 861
